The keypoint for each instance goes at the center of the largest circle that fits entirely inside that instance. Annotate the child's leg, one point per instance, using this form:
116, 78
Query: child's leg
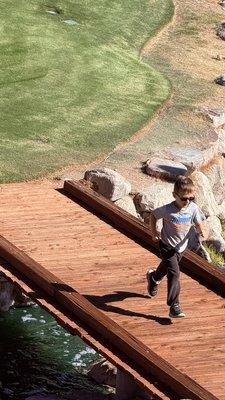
165, 252
173, 277
154, 278
169, 266
161, 271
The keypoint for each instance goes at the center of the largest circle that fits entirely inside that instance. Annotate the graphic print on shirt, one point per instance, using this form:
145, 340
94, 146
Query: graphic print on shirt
181, 222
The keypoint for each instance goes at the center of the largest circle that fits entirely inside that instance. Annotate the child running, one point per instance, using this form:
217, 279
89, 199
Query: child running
178, 217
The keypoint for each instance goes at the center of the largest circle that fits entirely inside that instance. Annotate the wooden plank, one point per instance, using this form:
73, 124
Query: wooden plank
46, 225
117, 338
191, 262
48, 303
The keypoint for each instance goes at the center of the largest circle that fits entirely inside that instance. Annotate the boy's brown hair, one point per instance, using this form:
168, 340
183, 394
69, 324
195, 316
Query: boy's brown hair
183, 184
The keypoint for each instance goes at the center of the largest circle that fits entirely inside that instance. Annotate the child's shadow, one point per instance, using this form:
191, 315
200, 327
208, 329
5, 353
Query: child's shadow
101, 303
160, 320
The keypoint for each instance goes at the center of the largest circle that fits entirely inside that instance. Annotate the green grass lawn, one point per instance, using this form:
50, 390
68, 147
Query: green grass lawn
71, 93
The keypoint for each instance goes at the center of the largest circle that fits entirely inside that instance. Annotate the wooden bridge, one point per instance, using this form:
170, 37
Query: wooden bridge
85, 260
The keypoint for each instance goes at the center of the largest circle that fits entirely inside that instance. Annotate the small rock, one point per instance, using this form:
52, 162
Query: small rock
103, 372
54, 10
51, 12
216, 115
163, 168
66, 177
220, 80
221, 30
71, 22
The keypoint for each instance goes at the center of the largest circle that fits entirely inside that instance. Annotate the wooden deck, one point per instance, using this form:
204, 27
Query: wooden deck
108, 268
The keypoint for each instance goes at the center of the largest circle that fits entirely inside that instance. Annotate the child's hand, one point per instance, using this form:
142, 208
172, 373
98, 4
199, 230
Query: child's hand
155, 238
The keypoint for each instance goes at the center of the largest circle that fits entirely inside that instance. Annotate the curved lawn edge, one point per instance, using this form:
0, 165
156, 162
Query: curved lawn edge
90, 123
146, 48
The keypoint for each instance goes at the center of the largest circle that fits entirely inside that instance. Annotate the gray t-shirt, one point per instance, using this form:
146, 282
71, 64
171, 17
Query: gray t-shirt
177, 223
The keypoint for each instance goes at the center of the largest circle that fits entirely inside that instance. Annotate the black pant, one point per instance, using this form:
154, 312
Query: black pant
169, 266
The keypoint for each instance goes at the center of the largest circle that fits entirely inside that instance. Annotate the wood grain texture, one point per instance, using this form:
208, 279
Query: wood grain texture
108, 269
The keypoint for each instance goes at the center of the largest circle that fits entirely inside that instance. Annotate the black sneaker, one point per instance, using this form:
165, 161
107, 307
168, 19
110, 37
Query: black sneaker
176, 312
152, 284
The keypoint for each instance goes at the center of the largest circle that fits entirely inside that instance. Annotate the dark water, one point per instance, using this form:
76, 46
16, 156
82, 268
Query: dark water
39, 356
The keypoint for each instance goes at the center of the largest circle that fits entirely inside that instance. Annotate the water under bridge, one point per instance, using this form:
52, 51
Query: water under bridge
84, 260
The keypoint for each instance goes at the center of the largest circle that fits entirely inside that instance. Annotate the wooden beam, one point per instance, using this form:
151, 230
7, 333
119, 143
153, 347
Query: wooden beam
135, 351
191, 262
78, 328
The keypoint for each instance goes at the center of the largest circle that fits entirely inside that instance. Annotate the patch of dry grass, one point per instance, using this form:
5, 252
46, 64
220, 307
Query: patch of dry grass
217, 258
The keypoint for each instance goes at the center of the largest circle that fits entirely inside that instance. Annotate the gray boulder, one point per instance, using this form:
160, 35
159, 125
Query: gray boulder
192, 158
216, 176
151, 197
7, 294
221, 144
11, 295
109, 183
127, 204
195, 245
215, 237
165, 169
216, 116
128, 389
221, 212
103, 372
205, 196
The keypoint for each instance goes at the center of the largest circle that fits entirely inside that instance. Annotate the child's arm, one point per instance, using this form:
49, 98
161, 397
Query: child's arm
155, 235
200, 224
202, 229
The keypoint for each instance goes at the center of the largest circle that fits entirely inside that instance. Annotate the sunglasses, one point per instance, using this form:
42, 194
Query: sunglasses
186, 198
